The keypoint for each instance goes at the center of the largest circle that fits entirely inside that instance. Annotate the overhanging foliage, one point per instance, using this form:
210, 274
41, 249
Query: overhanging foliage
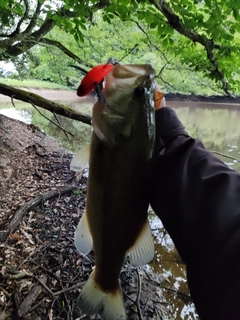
203, 35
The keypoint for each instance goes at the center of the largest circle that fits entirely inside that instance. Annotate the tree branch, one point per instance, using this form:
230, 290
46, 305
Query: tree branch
56, 124
209, 45
59, 45
24, 17
17, 217
24, 42
151, 42
33, 21
18, 43
41, 102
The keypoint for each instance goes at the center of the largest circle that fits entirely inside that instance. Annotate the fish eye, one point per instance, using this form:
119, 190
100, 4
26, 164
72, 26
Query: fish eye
139, 90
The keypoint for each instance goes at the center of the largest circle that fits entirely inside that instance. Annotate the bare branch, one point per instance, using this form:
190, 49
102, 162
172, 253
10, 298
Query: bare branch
56, 124
167, 83
129, 52
224, 155
17, 217
24, 42
41, 102
60, 126
151, 42
47, 42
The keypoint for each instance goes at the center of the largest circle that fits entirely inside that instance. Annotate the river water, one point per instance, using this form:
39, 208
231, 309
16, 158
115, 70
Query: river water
216, 125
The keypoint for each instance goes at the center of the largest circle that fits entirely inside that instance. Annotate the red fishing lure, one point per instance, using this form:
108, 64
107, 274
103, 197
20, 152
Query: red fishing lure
95, 75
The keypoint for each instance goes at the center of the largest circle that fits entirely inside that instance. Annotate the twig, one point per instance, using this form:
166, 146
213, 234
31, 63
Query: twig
207, 86
31, 296
21, 275
82, 317
4, 129
161, 70
55, 276
129, 298
8, 295
80, 284
129, 52
29, 206
64, 130
138, 295
151, 42
89, 259
50, 312
45, 287
30, 255
90, 42
224, 155
13, 101
169, 84
39, 303
180, 294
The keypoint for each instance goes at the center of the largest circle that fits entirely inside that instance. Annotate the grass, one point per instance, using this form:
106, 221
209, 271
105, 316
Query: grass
38, 84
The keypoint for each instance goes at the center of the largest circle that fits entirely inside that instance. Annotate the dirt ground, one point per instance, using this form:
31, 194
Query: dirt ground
41, 201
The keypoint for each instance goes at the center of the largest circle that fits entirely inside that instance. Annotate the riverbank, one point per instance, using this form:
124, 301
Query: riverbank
70, 95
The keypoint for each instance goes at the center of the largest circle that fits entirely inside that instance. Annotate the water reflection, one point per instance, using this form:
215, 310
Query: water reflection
81, 132
21, 115
219, 130
168, 263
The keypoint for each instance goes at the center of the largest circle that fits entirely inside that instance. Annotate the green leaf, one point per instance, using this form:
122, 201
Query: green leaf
18, 9
55, 17
235, 13
153, 24
106, 19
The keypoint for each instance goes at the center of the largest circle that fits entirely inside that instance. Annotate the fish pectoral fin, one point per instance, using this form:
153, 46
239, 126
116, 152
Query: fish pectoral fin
143, 250
93, 300
83, 237
81, 159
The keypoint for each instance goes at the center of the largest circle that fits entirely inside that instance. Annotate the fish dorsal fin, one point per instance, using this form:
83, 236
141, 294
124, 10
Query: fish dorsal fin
81, 159
83, 237
143, 250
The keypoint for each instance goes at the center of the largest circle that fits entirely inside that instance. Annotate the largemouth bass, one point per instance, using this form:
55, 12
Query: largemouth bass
115, 223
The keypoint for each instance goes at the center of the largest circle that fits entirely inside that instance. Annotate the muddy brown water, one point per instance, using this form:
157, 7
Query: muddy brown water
217, 125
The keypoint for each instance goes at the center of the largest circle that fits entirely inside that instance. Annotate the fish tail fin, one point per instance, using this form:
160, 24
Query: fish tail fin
93, 300
90, 298
113, 306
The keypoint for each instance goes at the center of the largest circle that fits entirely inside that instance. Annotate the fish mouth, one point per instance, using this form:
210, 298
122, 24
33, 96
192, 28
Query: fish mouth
129, 71
126, 79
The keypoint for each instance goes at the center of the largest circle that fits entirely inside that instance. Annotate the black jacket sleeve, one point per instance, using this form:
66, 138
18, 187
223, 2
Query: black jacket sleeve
197, 197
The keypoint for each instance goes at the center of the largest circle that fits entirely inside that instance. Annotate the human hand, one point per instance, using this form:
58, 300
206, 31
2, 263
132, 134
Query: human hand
159, 99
